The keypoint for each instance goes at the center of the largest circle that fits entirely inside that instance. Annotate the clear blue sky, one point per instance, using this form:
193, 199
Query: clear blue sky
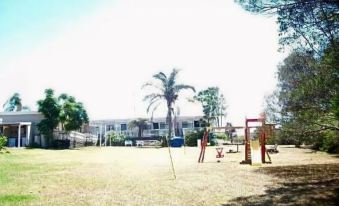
101, 52
24, 23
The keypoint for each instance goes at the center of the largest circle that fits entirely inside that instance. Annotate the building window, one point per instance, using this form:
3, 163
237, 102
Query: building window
185, 125
163, 125
123, 127
155, 125
149, 126
196, 123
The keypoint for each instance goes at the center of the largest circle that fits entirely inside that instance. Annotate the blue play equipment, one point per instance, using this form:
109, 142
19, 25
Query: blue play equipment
177, 141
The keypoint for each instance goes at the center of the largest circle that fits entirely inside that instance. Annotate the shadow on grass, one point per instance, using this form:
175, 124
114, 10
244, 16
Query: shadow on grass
316, 184
49, 148
15, 199
33, 148
288, 146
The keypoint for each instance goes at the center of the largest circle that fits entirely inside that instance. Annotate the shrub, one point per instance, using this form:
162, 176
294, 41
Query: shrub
3, 142
115, 139
274, 139
34, 145
61, 144
89, 143
192, 137
222, 136
163, 141
212, 138
330, 142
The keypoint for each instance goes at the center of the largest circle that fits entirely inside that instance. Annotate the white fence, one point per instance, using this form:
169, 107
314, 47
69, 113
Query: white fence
76, 138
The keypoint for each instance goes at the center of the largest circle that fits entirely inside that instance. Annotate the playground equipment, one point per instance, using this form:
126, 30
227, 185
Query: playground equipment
204, 141
205, 138
229, 129
273, 149
255, 151
252, 147
219, 152
203, 145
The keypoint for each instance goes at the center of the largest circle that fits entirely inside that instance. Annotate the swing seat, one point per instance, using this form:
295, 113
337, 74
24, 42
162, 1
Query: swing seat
219, 152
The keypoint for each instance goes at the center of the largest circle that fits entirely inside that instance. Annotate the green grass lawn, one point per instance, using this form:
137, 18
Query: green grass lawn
142, 176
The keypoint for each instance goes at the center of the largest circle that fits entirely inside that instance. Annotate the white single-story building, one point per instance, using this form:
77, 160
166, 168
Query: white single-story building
20, 127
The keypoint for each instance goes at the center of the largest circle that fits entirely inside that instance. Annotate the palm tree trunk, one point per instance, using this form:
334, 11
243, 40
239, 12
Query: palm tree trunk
169, 121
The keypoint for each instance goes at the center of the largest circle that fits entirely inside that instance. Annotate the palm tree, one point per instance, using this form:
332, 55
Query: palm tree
168, 92
140, 123
13, 104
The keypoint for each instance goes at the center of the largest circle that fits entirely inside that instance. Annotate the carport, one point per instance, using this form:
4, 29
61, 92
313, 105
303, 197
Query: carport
18, 133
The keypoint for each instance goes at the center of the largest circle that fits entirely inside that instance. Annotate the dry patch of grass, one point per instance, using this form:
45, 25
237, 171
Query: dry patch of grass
137, 176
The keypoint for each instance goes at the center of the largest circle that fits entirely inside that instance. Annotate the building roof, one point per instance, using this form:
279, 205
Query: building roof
14, 123
157, 119
20, 113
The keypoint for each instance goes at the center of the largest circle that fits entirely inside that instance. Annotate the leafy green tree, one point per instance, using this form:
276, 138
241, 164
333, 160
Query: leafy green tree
306, 101
65, 110
307, 89
310, 24
271, 107
167, 91
336, 106
304, 104
72, 114
50, 108
14, 104
330, 62
213, 103
140, 123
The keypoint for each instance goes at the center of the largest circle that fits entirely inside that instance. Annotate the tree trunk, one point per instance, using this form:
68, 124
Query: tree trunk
169, 120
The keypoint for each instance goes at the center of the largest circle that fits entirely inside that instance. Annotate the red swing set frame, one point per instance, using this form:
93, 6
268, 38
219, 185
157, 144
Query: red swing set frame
264, 134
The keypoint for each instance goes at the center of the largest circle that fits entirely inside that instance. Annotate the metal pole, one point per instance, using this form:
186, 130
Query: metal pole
183, 134
105, 135
170, 155
246, 141
100, 128
19, 134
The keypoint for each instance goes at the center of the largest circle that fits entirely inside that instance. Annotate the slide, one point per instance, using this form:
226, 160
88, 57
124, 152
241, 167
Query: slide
255, 153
